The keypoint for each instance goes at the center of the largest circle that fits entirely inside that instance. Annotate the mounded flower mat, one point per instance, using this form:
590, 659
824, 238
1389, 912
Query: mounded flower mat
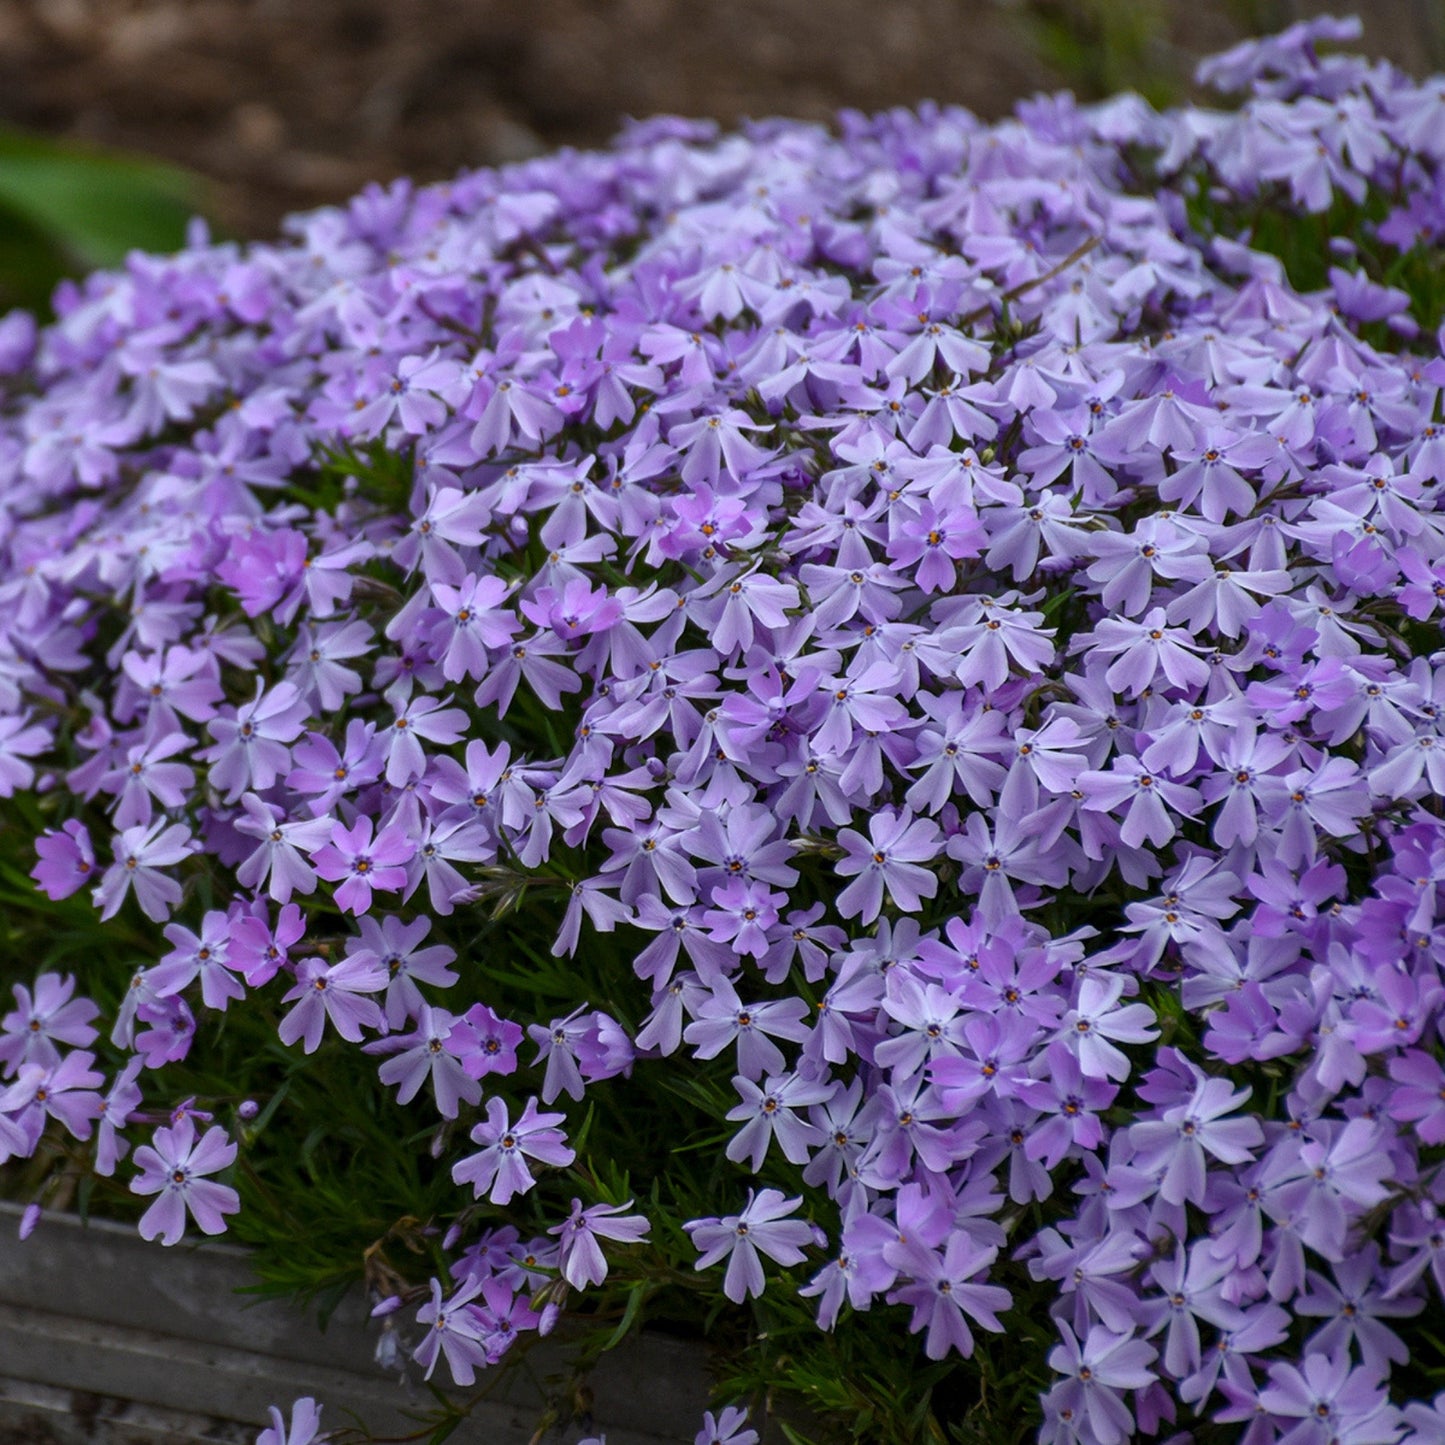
828, 738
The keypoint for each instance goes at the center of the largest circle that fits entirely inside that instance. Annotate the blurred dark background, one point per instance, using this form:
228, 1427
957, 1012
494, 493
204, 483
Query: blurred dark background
284, 104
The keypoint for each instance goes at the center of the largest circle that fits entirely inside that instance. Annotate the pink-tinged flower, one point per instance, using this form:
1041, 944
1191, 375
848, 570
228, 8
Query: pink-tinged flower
67, 860
260, 950
170, 1033
890, 857
742, 912
337, 992
500, 1170
305, 1422
486, 1044
575, 610
761, 1228
64, 1092
174, 1166
360, 863
582, 1261
140, 854
325, 774
935, 539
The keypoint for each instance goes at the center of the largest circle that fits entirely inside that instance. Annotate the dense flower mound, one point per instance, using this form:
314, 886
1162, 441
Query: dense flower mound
939, 620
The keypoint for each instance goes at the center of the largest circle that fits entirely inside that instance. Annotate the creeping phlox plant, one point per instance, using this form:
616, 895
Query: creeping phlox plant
839, 724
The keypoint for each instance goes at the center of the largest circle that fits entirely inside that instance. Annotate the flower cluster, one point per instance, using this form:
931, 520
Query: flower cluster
950, 617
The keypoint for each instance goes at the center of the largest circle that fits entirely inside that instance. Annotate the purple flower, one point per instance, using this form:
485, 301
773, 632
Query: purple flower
140, 853
942, 1291
277, 862
1178, 1142
768, 1112
722, 1018
1098, 1370
457, 1332
174, 1166
582, 1262
729, 1427
336, 992
396, 946
430, 1051
251, 745
500, 1170
1331, 1401
53, 1016
305, 1423
890, 857
761, 1228
1069, 1102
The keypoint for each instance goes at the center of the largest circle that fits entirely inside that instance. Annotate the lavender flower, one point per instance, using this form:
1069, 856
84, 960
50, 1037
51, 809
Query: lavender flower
174, 1166
761, 1228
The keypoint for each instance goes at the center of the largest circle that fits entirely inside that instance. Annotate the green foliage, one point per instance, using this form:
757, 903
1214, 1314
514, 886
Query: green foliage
1100, 47
66, 209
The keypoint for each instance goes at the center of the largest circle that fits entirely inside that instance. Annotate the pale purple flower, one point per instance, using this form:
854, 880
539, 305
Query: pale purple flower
40, 1022
890, 857
762, 1228
582, 1260
1098, 1371
305, 1423
500, 1170
277, 862
174, 1166
337, 992
251, 748
429, 1052
943, 1290
140, 854
768, 1113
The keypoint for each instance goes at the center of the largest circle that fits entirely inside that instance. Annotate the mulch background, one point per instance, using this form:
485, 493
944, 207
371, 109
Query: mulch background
284, 104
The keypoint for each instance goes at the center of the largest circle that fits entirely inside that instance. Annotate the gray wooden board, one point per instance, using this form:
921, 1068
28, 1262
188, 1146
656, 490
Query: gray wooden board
93, 1313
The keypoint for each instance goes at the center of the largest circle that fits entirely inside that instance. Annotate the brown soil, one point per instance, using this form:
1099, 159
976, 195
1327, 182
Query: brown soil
290, 103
